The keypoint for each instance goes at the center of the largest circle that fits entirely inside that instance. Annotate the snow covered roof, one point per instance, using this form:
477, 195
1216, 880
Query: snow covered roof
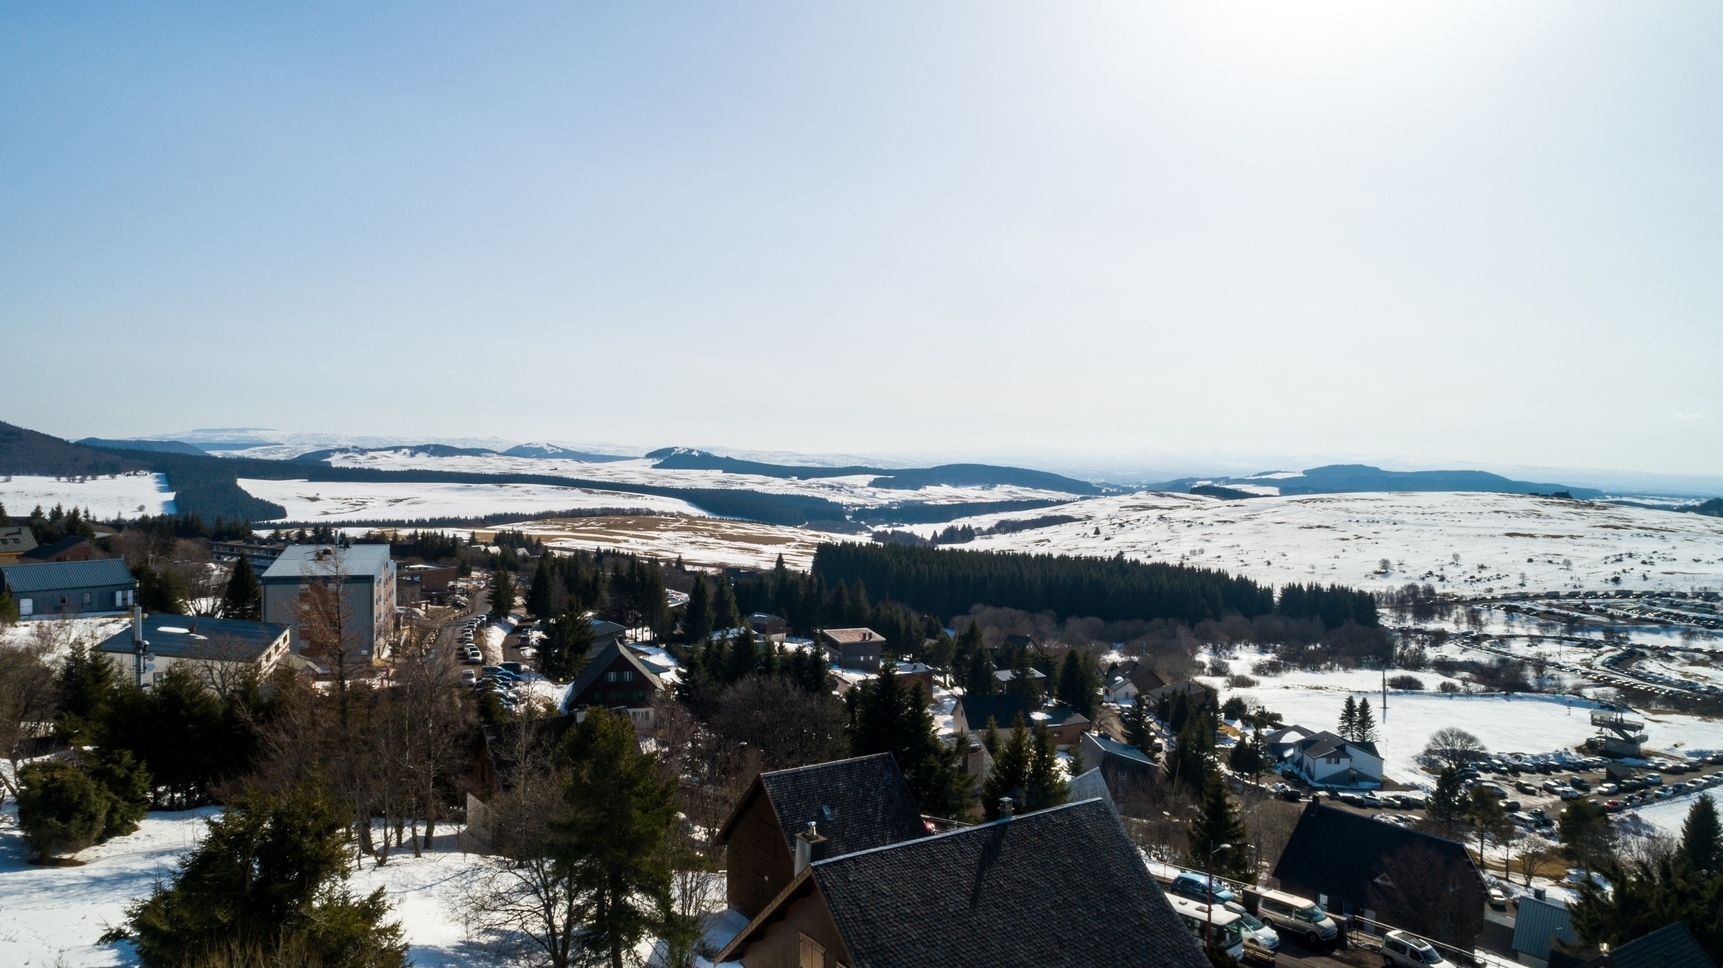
358, 561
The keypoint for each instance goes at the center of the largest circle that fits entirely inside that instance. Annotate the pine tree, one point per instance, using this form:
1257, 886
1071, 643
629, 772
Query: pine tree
1364, 730
1136, 722
1349, 719
724, 615
502, 593
1246, 757
743, 659
8, 608
979, 681
85, 686
1042, 786
1010, 774
61, 810
697, 618
1702, 838
563, 652
243, 598
1077, 683
990, 737
1218, 823
1446, 806
539, 594
5, 522
620, 808
1022, 681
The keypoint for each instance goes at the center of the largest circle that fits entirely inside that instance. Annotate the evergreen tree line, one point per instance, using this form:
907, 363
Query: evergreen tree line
1334, 605
1073, 679
949, 582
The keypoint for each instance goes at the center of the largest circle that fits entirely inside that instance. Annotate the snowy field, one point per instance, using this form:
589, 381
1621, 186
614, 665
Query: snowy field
123, 496
1554, 544
848, 491
350, 501
59, 634
706, 542
53, 915
1521, 723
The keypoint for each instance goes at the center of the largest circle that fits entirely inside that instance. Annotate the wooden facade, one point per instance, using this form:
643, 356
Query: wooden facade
799, 933
619, 682
758, 859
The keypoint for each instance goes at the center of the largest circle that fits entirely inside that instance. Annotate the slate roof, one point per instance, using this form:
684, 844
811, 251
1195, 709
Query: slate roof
1092, 785
16, 538
600, 663
1057, 716
182, 636
1325, 742
1338, 853
359, 561
1056, 887
1671, 946
48, 551
1004, 708
856, 804
48, 576
1139, 672
1112, 747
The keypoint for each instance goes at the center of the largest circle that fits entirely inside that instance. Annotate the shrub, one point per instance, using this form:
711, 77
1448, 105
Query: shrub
1240, 681
1411, 683
61, 810
1448, 687
1269, 667
128, 787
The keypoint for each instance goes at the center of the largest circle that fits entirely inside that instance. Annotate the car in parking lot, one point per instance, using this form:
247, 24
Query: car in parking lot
1403, 950
1253, 927
1191, 885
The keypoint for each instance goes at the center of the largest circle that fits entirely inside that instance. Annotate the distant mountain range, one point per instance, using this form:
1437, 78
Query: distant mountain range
908, 479
1344, 478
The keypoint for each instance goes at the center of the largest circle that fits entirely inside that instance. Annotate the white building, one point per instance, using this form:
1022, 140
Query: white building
366, 576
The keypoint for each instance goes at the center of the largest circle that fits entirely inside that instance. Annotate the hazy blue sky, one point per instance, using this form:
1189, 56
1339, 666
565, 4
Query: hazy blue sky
1485, 234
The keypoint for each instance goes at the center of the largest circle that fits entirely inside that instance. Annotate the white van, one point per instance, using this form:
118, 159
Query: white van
1226, 927
1296, 916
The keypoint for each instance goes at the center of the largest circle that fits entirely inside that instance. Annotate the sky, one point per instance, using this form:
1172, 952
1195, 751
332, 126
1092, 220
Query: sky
1167, 236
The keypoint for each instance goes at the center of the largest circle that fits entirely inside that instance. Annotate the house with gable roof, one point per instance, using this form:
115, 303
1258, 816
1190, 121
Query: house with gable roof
1327, 761
997, 894
832, 808
615, 678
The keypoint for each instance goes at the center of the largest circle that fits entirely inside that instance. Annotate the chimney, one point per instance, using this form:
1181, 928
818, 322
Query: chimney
1007, 808
137, 627
810, 847
1538, 893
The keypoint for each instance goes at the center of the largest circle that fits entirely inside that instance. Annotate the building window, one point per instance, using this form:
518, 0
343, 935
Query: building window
86, 599
26, 606
610, 677
627, 677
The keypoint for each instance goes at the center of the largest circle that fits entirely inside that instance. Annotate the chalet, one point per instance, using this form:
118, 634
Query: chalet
767, 628
913, 672
219, 650
603, 634
1342, 859
66, 588
497, 757
615, 678
73, 547
1004, 677
1056, 887
1283, 743
850, 805
971, 713
15, 540
1329, 762
853, 648
1118, 762
1066, 725
1197, 692
1127, 680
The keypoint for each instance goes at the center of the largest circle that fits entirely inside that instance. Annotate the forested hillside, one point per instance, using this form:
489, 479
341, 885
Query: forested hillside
28, 452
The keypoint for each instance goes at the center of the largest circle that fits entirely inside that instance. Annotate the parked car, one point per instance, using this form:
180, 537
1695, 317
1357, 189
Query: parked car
1291, 914
1498, 900
1254, 927
1402, 950
1190, 885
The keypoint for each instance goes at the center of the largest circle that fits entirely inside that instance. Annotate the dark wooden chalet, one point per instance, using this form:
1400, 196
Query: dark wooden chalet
615, 678
854, 804
1057, 887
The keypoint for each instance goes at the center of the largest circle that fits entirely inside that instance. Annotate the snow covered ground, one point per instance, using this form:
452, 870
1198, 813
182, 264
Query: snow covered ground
1464, 543
49, 913
1521, 723
704, 541
849, 491
125, 495
352, 501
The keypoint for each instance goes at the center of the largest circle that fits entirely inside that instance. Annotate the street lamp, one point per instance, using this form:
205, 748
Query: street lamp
1208, 871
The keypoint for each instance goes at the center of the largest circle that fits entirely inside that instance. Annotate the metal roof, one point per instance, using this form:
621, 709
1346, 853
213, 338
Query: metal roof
358, 561
1537, 925
53, 576
183, 636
